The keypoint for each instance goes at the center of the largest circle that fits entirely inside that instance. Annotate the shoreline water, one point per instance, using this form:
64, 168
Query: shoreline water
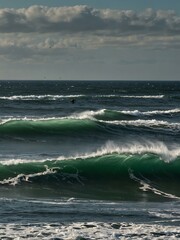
81, 219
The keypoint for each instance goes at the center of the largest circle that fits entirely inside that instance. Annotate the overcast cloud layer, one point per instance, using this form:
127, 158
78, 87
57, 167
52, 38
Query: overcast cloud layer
28, 32
43, 19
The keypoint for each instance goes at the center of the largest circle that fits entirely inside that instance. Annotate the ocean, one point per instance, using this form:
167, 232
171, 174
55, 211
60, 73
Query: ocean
89, 160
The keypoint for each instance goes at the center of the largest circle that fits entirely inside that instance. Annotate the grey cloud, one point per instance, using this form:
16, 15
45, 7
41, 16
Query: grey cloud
59, 31
42, 19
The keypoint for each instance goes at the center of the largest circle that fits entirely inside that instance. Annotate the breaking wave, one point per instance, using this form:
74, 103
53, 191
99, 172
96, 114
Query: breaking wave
113, 169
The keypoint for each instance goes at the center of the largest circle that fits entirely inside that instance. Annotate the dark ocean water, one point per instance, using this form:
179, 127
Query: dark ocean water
77, 151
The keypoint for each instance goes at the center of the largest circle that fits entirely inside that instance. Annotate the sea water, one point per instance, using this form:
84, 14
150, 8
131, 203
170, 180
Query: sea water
89, 160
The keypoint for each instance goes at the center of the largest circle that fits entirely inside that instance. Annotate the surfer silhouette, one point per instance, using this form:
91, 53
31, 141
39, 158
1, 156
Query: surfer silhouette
73, 101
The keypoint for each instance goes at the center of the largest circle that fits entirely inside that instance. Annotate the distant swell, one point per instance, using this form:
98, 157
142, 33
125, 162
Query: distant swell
143, 96
104, 114
56, 97
39, 97
47, 127
78, 124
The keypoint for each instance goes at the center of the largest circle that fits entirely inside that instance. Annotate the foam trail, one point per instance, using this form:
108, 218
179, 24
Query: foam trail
26, 178
155, 112
40, 97
56, 97
145, 123
145, 186
144, 96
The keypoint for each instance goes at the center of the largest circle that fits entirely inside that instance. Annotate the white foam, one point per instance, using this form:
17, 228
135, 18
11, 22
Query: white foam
56, 97
107, 96
145, 123
89, 230
26, 177
166, 153
87, 114
159, 148
39, 97
146, 186
162, 215
143, 96
155, 112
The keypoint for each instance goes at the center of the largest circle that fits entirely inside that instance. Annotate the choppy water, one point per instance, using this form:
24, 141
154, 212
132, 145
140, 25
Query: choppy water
111, 159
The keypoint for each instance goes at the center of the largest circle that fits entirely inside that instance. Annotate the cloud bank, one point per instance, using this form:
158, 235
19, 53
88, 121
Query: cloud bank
50, 31
42, 19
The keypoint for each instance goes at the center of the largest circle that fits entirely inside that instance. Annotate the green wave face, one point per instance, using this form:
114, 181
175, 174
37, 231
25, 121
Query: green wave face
113, 176
47, 127
71, 127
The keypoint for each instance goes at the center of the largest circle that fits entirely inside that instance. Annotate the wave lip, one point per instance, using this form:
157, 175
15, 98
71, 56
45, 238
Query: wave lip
164, 152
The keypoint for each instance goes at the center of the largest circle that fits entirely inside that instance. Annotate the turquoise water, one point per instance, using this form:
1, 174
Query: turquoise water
87, 145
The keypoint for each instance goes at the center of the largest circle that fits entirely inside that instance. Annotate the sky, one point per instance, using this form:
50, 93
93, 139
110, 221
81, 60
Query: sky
90, 39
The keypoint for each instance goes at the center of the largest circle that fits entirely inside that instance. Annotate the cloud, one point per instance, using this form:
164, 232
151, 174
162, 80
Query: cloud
42, 19
41, 32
